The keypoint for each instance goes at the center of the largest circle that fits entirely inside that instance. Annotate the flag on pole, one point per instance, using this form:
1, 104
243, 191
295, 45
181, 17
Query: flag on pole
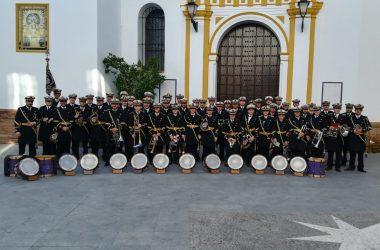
50, 83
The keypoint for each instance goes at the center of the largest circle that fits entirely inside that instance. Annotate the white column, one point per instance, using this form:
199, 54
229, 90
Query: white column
212, 75
283, 75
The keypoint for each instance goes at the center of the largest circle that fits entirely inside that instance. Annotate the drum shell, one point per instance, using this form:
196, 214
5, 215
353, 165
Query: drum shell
48, 165
238, 158
94, 162
279, 158
190, 157
213, 165
123, 161
298, 170
165, 158
259, 157
143, 158
316, 166
19, 166
68, 170
10, 165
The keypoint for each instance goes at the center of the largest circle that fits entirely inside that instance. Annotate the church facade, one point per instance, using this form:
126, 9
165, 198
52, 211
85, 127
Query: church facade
229, 48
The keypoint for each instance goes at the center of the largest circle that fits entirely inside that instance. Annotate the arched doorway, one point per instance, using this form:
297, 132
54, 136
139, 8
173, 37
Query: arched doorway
248, 62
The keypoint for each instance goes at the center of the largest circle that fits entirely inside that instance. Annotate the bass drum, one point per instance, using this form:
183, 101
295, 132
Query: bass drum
279, 163
10, 164
235, 161
139, 161
161, 161
89, 162
48, 165
118, 161
213, 161
68, 162
28, 167
298, 164
259, 162
187, 161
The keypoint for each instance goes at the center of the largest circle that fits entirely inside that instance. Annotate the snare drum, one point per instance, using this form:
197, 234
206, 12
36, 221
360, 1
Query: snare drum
279, 163
28, 168
235, 162
139, 162
213, 162
161, 162
298, 165
68, 163
317, 167
89, 163
118, 162
10, 163
259, 163
187, 162
47, 165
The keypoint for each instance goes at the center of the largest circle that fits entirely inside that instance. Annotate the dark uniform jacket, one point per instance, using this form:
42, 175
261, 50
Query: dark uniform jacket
209, 135
192, 123
357, 141
46, 128
156, 124
64, 115
23, 116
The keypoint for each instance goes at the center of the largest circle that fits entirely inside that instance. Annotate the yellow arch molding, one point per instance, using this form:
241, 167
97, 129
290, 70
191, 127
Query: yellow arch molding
250, 13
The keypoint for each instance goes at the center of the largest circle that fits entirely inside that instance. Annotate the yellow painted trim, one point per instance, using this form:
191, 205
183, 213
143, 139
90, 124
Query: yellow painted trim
187, 59
218, 19
250, 13
18, 7
310, 75
250, 3
281, 18
289, 87
236, 3
206, 45
222, 3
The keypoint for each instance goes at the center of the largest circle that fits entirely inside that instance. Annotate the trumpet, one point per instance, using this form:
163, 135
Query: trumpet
136, 130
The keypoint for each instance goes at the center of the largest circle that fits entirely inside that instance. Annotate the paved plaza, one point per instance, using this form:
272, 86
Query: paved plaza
191, 211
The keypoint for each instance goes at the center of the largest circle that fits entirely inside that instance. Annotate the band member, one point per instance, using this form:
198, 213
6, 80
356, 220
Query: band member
235, 105
211, 102
280, 139
202, 107
183, 108
305, 112
130, 100
316, 126
221, 115
285, 107
264, 125
346, 120
178, 98
334, 139
326, 112
165, 110
113, 134
46, 117
26, 126
248, 143
174, 129
123, 94
227, 105
208, 133
72, 99
258, 104
273, 110
90, 100
149, 95
109, 98
268, 100
124, 105
63, 120
156, 128
192, 121
80, 128
135, 133
298, 129
242, 110
57, 95
359, 125
278, 101
98, 131
147, 105
232, 131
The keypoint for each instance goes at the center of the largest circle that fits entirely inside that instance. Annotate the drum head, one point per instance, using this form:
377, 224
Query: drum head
161, 161
29, 166
187, 161
298, 164
213, 161
89, 162
68, 162
279, 163
235, 161
118, 161
139, 161
259, 162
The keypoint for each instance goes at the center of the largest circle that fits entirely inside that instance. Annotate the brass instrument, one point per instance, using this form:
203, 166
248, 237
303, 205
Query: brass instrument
154, 131
248, 137
136, 130
116, 136
94, 118
232, 138
317, 138
302, 130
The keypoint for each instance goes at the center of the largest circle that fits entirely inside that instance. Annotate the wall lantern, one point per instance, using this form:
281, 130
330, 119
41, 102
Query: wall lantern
303, 5
192, 8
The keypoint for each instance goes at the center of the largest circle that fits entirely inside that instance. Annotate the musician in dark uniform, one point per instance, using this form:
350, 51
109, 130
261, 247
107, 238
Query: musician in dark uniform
268, 100
147, 105
248, 144
178, 98
208, 133
232, 130
90, 100
297, 139
98, 131
211, 102
109, 98
359, 125
111, 117
334, 139
280, 134
264, 125
26, 121
202, 107
156, 131
183, 109
258, 104
227, 105
80, 129
242, 109
221, 115
317, 124
326, 112
46, 117
63, 120
72, 102
346, 121
57, 95
174, 129
192, 121
273, 110
278, 101
165, 108
134, 132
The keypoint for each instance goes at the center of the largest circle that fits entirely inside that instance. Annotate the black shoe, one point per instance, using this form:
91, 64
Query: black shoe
328, 168
338, 170
349, 169
362, 170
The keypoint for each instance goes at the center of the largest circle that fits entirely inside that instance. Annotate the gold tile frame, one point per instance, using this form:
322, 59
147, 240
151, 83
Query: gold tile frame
19, 48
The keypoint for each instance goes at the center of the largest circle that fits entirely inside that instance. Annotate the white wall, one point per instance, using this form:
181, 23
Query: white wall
73, 49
